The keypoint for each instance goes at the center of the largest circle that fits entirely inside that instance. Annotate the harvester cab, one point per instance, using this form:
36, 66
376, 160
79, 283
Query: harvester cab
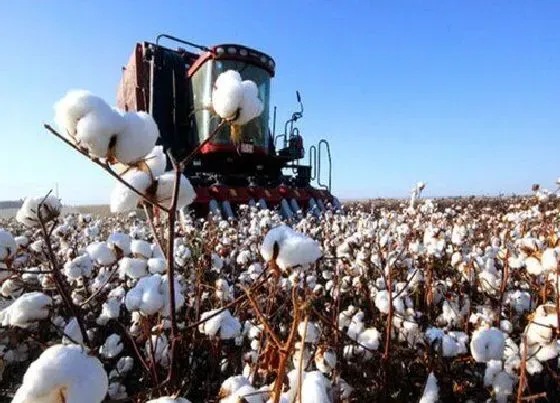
175, 87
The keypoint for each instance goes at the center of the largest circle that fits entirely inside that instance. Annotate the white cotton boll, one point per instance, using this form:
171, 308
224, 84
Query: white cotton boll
165, 188
382, 301
506, 326
502, 386
136, 138
117, 391
72, 332
101, 253
161, 349
8, 245
112, 346
356, 325
224, 323
156, 161
549, 260
169, 399
21, 241
314, 388
141, 248
294, 248
540, 329
150, 295
11, 288
78, 267
232, 385
251, 106
132, 267
245, 393
325, 359
125, 365
533, 266
119, 240
227, 94
156, 265
487, 344
369, 338
109, 310
28, 214
26, 310
312, 334
547, 351
493, 367
74, 106
124, 199
63, 373
431, 390
95, 130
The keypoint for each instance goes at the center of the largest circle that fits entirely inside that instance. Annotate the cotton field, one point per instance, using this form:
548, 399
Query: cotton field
420, 300
446, 302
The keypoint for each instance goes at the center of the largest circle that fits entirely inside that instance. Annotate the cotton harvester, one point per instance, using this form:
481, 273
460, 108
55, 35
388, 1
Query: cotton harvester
175, 85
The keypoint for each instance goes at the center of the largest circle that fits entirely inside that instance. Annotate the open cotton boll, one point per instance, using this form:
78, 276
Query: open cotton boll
156, 161
312, 333
245, 393
74, 106
431, 390
227, 325
124, 199
78, 267
101, 254
121, 241
150, 295
293, 248
502, 386
156, 265
227, 94
141, 248
549, 260
169, 399
369, 338
232, 385
8, 246
533, 266
28, 214
315, 388
136, 138
63, 374
165, 187
132, 267
26, 310
487, 344
109, 310
97, 129
250, 106
112, 346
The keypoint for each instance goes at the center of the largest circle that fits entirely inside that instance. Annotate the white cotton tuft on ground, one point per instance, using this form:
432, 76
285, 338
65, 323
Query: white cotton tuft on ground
487, 344
431, 390
231, 94
8, 246
101, 254
74, 106
136, 138
26, 310
28, 214
124, 199
294, 248
63, 373
156, 161
95, 131
165, 187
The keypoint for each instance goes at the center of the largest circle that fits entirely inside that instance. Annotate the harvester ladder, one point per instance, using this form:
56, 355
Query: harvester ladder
327, 147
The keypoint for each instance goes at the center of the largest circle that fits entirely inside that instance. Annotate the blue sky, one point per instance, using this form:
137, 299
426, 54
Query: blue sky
464, 95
